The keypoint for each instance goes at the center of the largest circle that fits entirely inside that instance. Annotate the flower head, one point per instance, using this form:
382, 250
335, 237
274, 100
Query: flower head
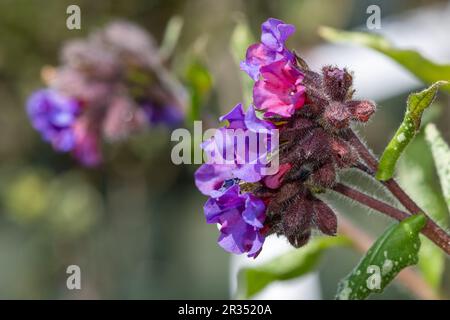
274, 34
109, 85
313, 112
245, 162
240, 217
210, 177
280, 92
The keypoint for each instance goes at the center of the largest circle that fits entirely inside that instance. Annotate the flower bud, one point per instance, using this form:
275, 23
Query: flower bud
296, 129
324, 218
343, 153
337, 82
297, 221
316, 100
361, 110
299, 173
325, 176
316, 145
337, 115
288, 191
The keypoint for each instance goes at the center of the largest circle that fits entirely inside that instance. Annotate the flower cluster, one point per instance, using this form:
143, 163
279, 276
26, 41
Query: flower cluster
109, 85
312, 112
240, 214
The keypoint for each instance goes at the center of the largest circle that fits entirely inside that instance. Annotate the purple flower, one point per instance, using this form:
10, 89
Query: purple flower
274, 34
280, 91
241, 218
53, 115
225, 159
210, 177
272, 47
258, 55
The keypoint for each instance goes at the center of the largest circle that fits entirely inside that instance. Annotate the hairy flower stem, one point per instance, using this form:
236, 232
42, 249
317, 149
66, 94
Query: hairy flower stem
432, 230
440, 239
370, 202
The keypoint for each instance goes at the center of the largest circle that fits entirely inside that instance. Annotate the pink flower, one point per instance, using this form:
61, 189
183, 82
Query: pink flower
280, 91
274, 34
87, 144
275, 181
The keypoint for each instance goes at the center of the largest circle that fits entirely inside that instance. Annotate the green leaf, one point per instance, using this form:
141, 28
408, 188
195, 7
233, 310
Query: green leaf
241, 39
415, 174
431, 263
396, 249
199, 82
416, 104
287, 266
171, 36
414, 62
441, 156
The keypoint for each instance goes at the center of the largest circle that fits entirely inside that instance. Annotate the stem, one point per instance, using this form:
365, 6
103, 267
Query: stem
429, 231
408, 277
371, 202
439, 236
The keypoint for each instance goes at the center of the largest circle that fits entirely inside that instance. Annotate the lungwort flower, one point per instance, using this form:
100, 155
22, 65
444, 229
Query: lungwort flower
280, 92
240, 216
313, 112
271, 48
109, 85
228, 161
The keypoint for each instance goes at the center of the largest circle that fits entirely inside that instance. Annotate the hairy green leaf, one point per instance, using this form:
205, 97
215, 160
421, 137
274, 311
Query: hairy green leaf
240, 40
416, 104
441, 155
415, 174
394, 250
414, 62
287, 266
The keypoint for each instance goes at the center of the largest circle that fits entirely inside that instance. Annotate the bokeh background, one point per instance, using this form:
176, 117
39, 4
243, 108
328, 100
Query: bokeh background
135, 225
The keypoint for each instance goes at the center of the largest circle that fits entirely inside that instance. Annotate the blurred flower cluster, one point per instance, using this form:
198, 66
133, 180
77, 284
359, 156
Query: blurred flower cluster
312, 112
109, 85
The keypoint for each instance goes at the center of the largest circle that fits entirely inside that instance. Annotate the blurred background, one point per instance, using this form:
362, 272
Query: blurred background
135, 225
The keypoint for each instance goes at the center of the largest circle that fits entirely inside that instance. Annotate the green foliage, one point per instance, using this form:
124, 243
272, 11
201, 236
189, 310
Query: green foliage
287, 266
431, 263
171, 36
416, 104
394, 250
415, 174
199, 82
423, 68
412, 173
240, 40
441, 155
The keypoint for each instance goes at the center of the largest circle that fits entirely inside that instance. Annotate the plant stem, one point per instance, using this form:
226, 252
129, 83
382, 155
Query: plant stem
429, 231
371, 202
408, 278
440, 237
